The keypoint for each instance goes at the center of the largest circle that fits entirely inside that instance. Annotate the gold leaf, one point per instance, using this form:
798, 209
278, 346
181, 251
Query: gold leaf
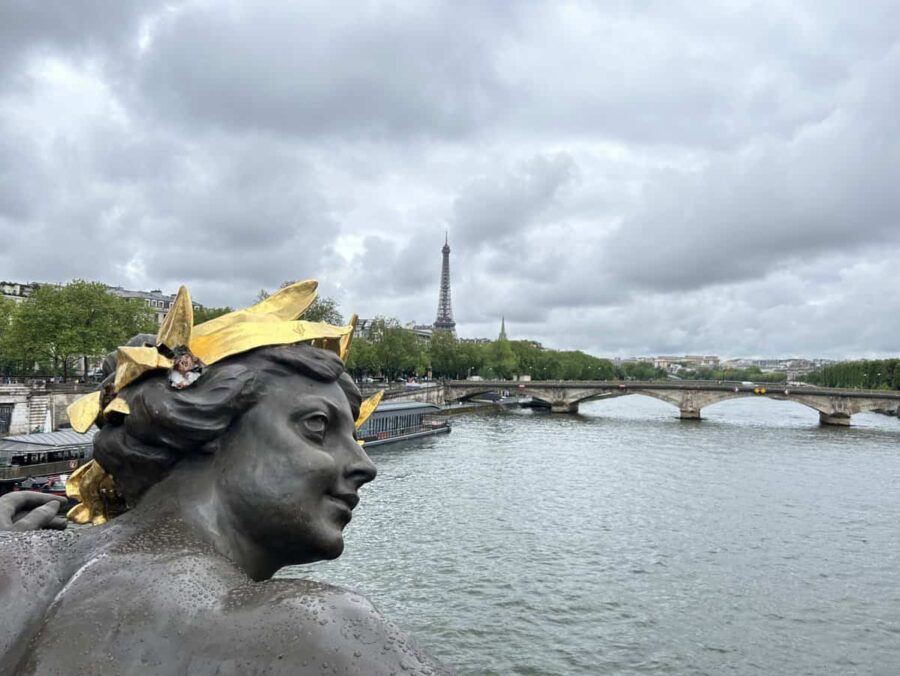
175, 331
238, 338
133, 362
368, 407
84, 411
285, 304
348, 339
117, 405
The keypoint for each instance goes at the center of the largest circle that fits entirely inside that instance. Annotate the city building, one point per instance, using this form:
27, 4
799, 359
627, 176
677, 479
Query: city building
423, 331
156, 300
688, 361
16, 291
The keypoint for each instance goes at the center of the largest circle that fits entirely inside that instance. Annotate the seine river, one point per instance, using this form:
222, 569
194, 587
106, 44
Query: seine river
623, 541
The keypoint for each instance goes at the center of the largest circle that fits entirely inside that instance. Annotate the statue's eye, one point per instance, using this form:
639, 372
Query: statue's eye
316, 423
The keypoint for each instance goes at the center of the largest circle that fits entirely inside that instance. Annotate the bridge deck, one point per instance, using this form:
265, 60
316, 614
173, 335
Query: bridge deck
694, 385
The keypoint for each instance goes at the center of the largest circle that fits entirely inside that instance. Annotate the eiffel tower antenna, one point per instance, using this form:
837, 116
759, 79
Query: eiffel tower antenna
444, 321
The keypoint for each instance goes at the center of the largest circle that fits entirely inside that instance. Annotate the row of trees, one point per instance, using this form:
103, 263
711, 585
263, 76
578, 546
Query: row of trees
49, 332
392, 351
59, 331
57, 326
878, 374
753, 373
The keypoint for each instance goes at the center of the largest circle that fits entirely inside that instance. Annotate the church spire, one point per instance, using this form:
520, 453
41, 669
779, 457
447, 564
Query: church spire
502, 328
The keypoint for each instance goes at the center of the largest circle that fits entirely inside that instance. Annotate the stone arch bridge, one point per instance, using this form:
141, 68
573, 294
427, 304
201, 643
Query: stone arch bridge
835, 406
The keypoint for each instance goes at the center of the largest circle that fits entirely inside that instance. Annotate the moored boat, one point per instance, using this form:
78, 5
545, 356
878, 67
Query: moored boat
400, 420
47, 454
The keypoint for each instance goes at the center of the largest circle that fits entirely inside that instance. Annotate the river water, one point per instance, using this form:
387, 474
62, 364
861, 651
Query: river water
624, 541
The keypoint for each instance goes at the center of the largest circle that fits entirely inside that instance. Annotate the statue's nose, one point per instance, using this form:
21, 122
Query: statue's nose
361, 470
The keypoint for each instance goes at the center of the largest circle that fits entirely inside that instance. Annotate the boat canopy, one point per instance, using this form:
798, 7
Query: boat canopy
394, 407
44, 442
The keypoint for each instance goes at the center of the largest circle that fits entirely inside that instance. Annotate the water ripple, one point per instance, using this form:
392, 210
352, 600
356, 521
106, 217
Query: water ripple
625, 541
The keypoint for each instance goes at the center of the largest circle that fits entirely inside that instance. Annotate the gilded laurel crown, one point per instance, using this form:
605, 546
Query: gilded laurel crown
185, 350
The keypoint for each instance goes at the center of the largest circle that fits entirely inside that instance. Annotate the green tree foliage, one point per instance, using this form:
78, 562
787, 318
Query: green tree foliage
363, 360
7, 310
581, 366
324, 309
639, 371
504, 359
877, 374
204, 314
399, 351
55, 326
472, 357
447, 359
752, 373
500, 361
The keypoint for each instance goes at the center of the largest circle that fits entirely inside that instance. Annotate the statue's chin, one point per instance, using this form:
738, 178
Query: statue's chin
334, 551
322, 552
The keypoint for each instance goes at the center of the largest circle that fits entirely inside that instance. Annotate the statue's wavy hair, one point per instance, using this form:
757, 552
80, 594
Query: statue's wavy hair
167, 425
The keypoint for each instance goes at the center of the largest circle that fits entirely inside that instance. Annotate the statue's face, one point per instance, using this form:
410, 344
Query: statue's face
289, 470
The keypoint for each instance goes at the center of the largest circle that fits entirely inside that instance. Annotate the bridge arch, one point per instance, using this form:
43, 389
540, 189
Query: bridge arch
835, 407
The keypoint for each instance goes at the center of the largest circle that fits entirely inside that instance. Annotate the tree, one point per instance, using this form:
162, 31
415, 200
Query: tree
445, 355
528, 355
7, 311
204, 314
868, 374
324, 309
395, 351
639, 371
363, 360
56, 325
500, 360
472, 356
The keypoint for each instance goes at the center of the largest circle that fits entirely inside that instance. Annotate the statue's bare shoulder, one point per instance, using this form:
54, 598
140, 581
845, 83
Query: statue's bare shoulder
343, 627
191, 613
34, 567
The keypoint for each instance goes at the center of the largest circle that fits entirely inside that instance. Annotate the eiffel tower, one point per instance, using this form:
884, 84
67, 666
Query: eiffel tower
444, 321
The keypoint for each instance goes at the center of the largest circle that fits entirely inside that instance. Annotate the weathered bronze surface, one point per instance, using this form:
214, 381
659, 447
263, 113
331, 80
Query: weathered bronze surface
253, 467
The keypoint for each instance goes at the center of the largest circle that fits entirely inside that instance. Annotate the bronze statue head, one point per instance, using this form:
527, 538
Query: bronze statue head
268, 437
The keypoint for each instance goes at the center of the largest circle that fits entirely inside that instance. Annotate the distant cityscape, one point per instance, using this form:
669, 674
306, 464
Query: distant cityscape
160, 303
794, 366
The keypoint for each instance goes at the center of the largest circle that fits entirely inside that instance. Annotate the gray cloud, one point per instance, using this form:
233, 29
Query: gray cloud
87, 29
626, 178
828, 188
498, 207
314, 68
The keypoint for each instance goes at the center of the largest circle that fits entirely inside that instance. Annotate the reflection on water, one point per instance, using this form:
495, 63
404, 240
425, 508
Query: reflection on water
623, 540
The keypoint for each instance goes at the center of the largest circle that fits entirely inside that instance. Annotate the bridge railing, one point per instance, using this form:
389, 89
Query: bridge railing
708, 385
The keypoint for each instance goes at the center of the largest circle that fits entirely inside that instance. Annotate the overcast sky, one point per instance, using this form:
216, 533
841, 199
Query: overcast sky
625, 177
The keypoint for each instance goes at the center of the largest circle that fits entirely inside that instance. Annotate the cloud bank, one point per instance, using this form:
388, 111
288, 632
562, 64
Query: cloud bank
636, 178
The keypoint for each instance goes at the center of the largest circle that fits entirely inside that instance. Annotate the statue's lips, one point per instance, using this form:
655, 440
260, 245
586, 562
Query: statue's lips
348, 500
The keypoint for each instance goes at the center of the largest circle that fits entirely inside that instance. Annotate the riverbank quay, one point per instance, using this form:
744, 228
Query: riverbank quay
37, 406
